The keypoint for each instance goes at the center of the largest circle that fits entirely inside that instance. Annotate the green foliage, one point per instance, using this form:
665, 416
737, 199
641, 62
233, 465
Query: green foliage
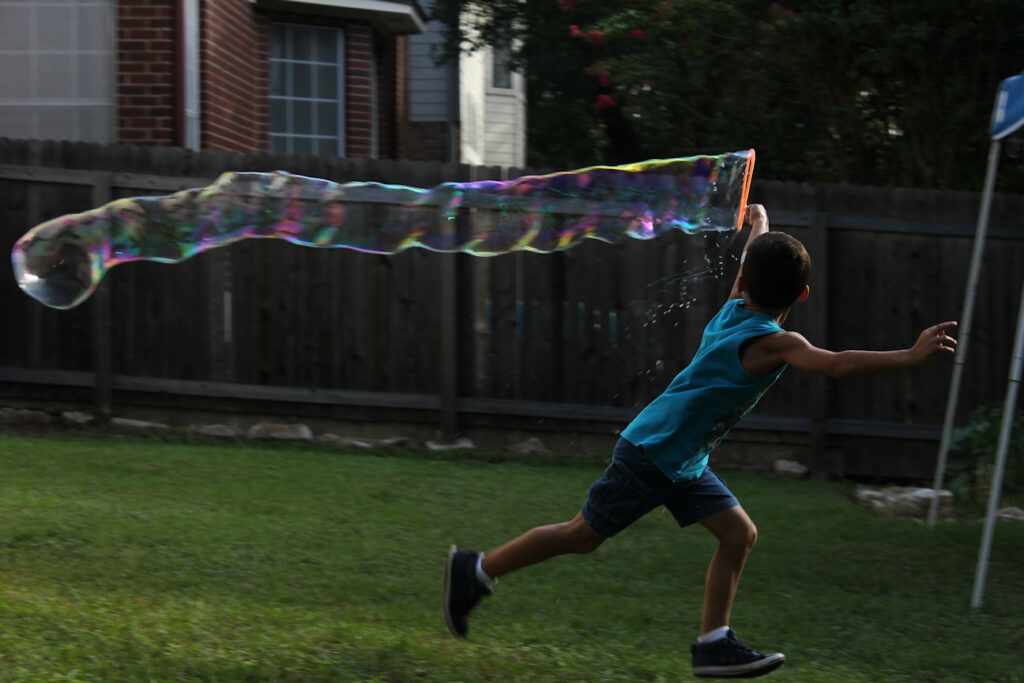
875, 92
972, 452
130, 560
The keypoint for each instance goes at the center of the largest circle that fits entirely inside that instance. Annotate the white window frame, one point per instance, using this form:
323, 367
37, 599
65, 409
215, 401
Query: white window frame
289, 136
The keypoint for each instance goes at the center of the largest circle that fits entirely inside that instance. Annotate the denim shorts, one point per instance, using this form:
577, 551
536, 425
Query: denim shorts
633, 485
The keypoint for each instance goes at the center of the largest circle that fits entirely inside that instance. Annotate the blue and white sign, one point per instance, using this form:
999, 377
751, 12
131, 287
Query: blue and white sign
1008, 115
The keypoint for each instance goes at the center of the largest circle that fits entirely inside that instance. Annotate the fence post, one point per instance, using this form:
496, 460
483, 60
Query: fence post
449, 332
218, 316
821, 467
101, 317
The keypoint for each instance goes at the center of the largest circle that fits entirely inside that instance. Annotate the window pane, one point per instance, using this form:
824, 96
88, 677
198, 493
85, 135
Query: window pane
16, 77
327, 147
53, 28
302, 40
278, 80
302, 112
94, 76
501, 75
327, 82
278, 144
303, 146
278, 37
19, 122
94, 29
13, 20
302, 76
95, 124
59, 118
327, 50
56, 75
327, 118
279, 116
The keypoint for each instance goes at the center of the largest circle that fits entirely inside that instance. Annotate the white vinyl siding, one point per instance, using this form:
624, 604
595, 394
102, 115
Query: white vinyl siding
429, 85
505, 115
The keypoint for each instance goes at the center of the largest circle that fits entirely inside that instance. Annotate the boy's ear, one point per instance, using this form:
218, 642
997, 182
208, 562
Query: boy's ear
804, 294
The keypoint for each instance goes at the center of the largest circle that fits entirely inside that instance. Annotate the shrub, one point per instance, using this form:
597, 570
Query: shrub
972, 453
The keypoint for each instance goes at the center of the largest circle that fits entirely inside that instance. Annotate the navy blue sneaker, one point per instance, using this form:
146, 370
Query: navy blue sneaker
462, 589
730, 657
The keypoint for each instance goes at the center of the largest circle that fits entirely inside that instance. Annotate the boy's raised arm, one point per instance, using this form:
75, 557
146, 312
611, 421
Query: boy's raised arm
757, 217
793, 348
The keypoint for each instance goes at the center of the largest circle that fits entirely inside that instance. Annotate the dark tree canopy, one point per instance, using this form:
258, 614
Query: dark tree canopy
872, 92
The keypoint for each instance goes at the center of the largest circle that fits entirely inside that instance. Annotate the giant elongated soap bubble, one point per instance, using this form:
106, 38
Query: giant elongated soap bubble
61, 262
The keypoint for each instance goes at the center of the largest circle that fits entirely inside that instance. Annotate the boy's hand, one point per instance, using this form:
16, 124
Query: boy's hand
932, 342
755, 214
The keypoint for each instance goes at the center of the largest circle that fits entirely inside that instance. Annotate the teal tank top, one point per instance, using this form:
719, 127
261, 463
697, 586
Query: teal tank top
679, 429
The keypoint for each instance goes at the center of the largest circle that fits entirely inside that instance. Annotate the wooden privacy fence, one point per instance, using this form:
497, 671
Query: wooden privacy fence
580, 339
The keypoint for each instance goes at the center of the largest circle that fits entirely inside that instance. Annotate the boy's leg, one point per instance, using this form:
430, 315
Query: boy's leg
464, 586
542, 543
736, 536
615, 501
723, 655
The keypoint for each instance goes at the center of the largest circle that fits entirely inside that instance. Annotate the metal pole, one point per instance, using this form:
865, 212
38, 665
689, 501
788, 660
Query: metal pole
964, 330
1009, 408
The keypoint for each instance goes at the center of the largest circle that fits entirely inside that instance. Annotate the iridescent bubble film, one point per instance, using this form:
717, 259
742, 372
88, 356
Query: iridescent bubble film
61, 262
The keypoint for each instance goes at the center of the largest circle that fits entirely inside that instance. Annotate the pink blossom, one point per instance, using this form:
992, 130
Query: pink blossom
605, 102
604, 79
637, 33
596, 36
567, 5
575, 32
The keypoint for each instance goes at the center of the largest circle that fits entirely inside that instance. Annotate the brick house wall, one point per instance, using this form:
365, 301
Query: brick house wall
234, 87
235, 78
358, 78
398, 109
146, 70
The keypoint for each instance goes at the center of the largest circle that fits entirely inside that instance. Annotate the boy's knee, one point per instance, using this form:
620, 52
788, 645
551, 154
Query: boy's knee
745, 536
740, 537
751, 535
584, 539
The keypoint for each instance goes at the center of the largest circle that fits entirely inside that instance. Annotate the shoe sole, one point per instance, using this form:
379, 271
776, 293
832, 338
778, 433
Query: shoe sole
751, 670
448, 592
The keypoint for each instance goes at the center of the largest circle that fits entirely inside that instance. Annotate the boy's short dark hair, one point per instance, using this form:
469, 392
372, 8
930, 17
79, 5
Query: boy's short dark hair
776, 270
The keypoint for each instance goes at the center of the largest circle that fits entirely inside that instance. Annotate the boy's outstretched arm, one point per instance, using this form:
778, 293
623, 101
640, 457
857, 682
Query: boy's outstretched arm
773, 350
757, 217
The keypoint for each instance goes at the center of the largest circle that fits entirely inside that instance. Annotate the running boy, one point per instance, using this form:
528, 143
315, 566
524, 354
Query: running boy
662, 456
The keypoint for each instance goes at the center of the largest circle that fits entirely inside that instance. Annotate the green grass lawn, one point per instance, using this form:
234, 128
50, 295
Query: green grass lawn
134, 560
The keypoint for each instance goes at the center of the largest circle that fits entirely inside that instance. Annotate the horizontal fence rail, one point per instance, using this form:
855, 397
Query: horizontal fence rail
580, 339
